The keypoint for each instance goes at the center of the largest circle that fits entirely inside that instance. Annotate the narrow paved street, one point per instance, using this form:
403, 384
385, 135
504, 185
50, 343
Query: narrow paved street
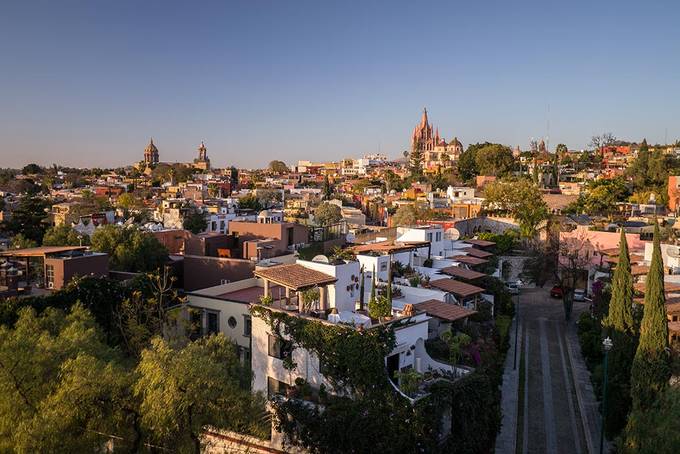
556, 410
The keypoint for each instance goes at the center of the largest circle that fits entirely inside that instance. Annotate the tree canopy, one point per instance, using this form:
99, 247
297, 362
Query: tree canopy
194, 221
64, 235
277, 166
520, 198
327, 214
406, 215
485, 159
129, 248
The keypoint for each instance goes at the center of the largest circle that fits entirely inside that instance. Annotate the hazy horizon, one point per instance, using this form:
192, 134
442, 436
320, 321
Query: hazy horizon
86, 84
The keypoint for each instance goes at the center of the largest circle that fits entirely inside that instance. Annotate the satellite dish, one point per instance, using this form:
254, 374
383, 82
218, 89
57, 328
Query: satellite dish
321, 259
452, 234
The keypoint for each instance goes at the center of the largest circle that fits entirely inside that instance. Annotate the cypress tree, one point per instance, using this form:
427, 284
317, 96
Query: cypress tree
620, 317
389, 282
620, 327
372, 298
361, 290
651, 368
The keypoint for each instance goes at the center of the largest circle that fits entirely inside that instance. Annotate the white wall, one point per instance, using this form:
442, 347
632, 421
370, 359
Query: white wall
226, 309
338, 296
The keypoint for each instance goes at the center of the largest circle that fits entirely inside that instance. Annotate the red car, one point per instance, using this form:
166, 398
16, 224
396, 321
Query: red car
556, 292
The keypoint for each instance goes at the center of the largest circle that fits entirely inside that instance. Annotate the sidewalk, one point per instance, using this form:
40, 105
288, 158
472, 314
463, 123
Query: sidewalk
507, 438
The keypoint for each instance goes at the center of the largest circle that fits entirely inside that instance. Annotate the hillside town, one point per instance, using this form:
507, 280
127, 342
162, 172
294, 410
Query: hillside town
428, 296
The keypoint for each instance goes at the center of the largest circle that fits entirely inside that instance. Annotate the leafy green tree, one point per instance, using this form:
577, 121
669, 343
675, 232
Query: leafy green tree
561, 148
406, 215
327, 214
495, 159
127, 201
183, 390
32, 169
249, 202
651, 367
27, 218
467, 162
654, 430
379, 307
19, 241
64, 235
520, 198
62, 385
129, 248
278, 166
195, 221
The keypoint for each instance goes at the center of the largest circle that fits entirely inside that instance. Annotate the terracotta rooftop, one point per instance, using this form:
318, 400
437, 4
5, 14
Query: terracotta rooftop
634, 258
295, 276
387, 247
478, 253
463, 273
674, 327
481, 243
468, 259
669, 287
456, 287
639, 270
445, 311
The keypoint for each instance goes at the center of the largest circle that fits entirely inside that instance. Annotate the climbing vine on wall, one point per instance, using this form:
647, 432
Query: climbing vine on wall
353, 360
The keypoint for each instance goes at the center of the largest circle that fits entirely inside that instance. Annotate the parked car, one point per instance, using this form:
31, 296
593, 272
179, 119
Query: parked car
513, 287
556, 292
579, 295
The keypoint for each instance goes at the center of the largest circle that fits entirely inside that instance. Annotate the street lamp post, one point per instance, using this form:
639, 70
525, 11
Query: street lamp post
514, 367
607, 344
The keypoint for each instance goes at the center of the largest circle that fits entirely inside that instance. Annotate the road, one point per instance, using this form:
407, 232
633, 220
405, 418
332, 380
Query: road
555, 411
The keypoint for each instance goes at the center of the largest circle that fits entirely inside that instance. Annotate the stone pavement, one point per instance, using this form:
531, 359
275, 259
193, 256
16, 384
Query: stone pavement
559, 410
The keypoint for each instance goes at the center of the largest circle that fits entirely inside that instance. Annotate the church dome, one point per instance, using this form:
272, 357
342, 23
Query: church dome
151, 147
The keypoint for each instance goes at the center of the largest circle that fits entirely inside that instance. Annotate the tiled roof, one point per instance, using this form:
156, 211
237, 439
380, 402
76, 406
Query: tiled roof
445, 311
295, 276
468, 259
385, 247
639, 270
674, 327
481, 243
464, 273
669, 287
456, 287
478, 253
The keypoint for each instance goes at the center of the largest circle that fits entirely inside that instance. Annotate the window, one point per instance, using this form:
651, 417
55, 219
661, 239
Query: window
49, 275
232, 322
212, 322
279, 348
247, 325
196, 328
383, 266
275, 387
439, 236
244, 355
429, 236
214, 225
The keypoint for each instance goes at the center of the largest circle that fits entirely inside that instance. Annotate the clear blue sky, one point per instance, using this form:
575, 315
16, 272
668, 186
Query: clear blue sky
86, 83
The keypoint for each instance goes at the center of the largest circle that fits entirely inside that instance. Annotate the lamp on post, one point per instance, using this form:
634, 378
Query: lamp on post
519, 282
607, 344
